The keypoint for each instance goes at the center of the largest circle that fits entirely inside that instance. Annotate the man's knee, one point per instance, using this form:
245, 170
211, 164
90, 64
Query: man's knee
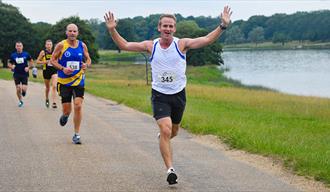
66, 108
165, 129
166, 132
77, 104
175, 130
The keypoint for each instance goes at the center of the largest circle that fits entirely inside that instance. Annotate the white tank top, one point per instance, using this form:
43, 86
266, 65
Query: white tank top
168, 68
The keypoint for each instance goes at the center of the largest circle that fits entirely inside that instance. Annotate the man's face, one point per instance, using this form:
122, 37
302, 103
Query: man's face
49, 45
19, 47
167, 27
72, 32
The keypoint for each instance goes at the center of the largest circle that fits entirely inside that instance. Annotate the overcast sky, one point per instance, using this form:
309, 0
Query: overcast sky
53, 11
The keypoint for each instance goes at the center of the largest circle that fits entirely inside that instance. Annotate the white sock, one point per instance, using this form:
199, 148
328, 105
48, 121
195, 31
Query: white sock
170, 169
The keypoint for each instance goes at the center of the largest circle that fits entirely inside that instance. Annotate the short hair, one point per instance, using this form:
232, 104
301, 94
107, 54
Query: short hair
19, 42
166, 15
48, 40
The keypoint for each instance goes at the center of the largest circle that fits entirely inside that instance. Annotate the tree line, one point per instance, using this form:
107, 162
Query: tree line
15, 27
281, 28
278, 28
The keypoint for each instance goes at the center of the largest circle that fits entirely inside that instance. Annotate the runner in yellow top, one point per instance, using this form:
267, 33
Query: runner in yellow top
71, 58
49, 72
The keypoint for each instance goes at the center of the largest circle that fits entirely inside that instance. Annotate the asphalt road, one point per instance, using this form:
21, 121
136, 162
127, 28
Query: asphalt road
119, 152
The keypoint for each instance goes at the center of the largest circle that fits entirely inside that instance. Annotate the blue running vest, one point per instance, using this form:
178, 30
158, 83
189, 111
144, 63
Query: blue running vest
73, 58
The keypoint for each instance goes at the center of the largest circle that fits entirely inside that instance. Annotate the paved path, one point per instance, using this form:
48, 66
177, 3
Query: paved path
119, 152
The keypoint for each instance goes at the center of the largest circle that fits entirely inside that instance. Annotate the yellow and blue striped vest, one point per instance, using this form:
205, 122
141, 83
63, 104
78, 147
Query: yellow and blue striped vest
69, 54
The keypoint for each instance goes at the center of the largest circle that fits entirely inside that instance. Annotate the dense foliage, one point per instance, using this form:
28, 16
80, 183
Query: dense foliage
300, 26
14, 27
57, 33
278, 28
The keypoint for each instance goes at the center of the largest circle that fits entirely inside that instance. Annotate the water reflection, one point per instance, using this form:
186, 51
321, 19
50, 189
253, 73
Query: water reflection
301, 72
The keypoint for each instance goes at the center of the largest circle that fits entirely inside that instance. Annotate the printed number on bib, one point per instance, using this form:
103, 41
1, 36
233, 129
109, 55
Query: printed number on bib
166, 77
73, 65
19, 60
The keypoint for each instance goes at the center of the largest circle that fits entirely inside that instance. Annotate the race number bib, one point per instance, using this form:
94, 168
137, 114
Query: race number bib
73, 65
19, 60
166, 77
49, 64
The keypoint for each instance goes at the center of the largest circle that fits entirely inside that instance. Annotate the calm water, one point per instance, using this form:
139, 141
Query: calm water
300, 72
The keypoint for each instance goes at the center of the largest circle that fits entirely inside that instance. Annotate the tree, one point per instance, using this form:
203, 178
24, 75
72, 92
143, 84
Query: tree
187, 29
234, 35
207, 23
41, 31
253, 22
256, 35
279, 37
15, 27
126, 29
141, 28
152, 21
274, 24
197, 57
57, 33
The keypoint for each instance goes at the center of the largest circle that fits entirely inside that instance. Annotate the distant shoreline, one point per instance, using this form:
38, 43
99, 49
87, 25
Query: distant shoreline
293, 45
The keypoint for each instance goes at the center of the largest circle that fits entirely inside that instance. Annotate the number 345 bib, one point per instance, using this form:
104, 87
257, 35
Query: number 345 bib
166, 77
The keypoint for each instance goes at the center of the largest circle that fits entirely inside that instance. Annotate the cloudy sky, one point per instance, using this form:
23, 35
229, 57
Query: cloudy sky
53, 11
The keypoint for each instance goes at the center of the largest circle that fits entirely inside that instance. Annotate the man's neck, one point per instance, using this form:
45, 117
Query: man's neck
72, 43
164, 43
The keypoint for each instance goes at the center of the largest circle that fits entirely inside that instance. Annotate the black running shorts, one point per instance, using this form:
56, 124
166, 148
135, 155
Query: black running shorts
48, 72
67, 92
168, 105
21, 79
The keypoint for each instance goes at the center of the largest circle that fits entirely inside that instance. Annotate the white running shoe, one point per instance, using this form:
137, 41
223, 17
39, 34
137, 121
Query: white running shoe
171, 176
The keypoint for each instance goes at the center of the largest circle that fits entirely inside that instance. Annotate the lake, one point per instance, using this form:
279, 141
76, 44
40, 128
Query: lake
299, 72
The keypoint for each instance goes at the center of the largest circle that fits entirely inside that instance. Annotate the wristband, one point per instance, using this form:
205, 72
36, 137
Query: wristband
222, 26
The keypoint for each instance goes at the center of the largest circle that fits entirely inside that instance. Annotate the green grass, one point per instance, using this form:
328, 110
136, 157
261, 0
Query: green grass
294, 129
291, 128
6, 74
111, 57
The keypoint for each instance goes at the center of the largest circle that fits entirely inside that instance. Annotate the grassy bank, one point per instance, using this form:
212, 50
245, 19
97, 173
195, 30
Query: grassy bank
111, 57
291, 128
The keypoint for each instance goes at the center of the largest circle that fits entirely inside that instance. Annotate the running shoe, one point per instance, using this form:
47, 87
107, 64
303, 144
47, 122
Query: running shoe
63, 120
20, 104
171, 177
76, 139
47, 103
54, 105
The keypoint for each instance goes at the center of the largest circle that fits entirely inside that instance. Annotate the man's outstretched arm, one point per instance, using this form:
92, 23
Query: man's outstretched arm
188, 43
144, 46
